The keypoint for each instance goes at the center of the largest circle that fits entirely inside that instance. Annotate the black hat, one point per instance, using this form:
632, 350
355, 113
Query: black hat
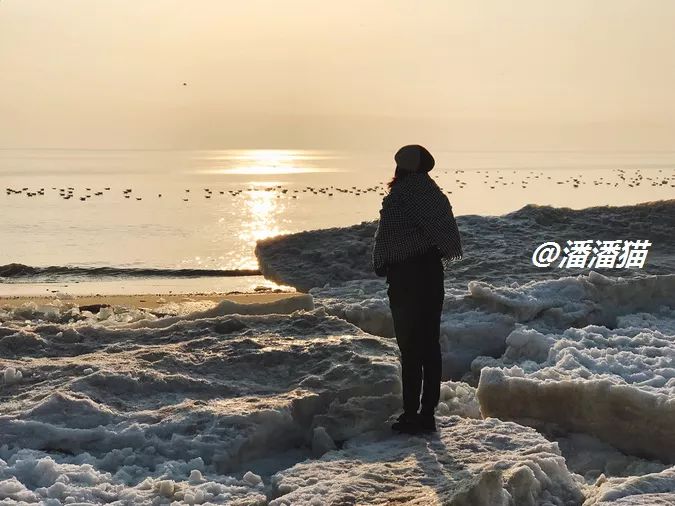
414, 158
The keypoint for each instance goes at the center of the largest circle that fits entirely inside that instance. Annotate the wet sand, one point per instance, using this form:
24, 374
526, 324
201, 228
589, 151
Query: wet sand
147, 301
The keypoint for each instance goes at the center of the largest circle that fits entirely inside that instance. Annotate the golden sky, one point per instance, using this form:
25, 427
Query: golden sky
499, 74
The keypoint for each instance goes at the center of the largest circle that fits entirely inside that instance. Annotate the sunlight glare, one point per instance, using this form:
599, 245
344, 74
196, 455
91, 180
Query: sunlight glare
269, 161
260, 217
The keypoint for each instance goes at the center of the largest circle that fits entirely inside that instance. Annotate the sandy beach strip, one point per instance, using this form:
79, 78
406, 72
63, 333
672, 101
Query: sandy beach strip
148, 301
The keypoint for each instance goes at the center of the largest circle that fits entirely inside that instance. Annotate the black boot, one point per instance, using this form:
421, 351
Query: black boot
427, 422
408, 424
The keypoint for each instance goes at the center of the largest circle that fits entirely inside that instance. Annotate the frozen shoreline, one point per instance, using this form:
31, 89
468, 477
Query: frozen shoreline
207, 423
287, 400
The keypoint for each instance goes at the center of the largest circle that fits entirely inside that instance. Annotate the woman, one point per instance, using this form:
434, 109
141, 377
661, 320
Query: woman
416, 238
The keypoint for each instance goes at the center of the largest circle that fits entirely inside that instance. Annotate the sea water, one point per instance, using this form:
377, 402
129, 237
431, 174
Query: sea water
117, 214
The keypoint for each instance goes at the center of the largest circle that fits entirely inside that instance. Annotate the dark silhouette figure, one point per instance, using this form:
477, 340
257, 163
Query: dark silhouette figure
416, 238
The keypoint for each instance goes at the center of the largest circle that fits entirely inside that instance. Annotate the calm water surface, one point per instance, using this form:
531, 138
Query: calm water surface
215, 205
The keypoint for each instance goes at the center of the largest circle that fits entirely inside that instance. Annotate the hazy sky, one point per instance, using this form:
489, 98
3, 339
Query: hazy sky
500, 74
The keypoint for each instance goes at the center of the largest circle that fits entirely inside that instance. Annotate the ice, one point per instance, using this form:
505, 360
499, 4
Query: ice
647, 490
290, 402
470, 462
576, 300
615, 381
321, 442
63, 311
634, 419
59, 310
196, 476
137, 409
363, 303
313, 258
12, 375
477, 322
334, 269
497, 249
458, 398
166, 488
466, 330
252, 478
285, 305
33, 477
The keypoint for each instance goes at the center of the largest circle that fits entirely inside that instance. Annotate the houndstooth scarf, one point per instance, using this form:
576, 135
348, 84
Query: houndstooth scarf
415, 216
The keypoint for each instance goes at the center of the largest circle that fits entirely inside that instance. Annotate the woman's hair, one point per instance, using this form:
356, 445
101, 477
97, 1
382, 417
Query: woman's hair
398, 175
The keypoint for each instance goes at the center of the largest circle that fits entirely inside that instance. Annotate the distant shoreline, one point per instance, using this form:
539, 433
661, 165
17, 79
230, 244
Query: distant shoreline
134, 286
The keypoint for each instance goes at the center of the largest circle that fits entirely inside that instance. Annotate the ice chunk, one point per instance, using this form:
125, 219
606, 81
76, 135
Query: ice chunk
287, 305
458, 398
321, 442
12, 375
252, 478
646, 490
614, 384
576, 301
166, 487
196, 476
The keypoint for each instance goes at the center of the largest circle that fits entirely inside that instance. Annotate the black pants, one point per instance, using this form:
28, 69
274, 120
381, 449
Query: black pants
416, 296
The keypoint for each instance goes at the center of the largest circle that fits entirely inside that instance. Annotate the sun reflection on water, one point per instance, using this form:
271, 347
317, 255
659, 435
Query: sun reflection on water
260, 213
268, 161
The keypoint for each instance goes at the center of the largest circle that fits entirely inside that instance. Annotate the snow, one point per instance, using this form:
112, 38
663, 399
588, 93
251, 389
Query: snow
205, 407
64, 311
290, 402
458, 398
12, 375
596, 460
477, 322
252, 478
132, 407
469, 462
286, 305
576, 300
615, 381
648, 489
33, 477
321, 442
497, 249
